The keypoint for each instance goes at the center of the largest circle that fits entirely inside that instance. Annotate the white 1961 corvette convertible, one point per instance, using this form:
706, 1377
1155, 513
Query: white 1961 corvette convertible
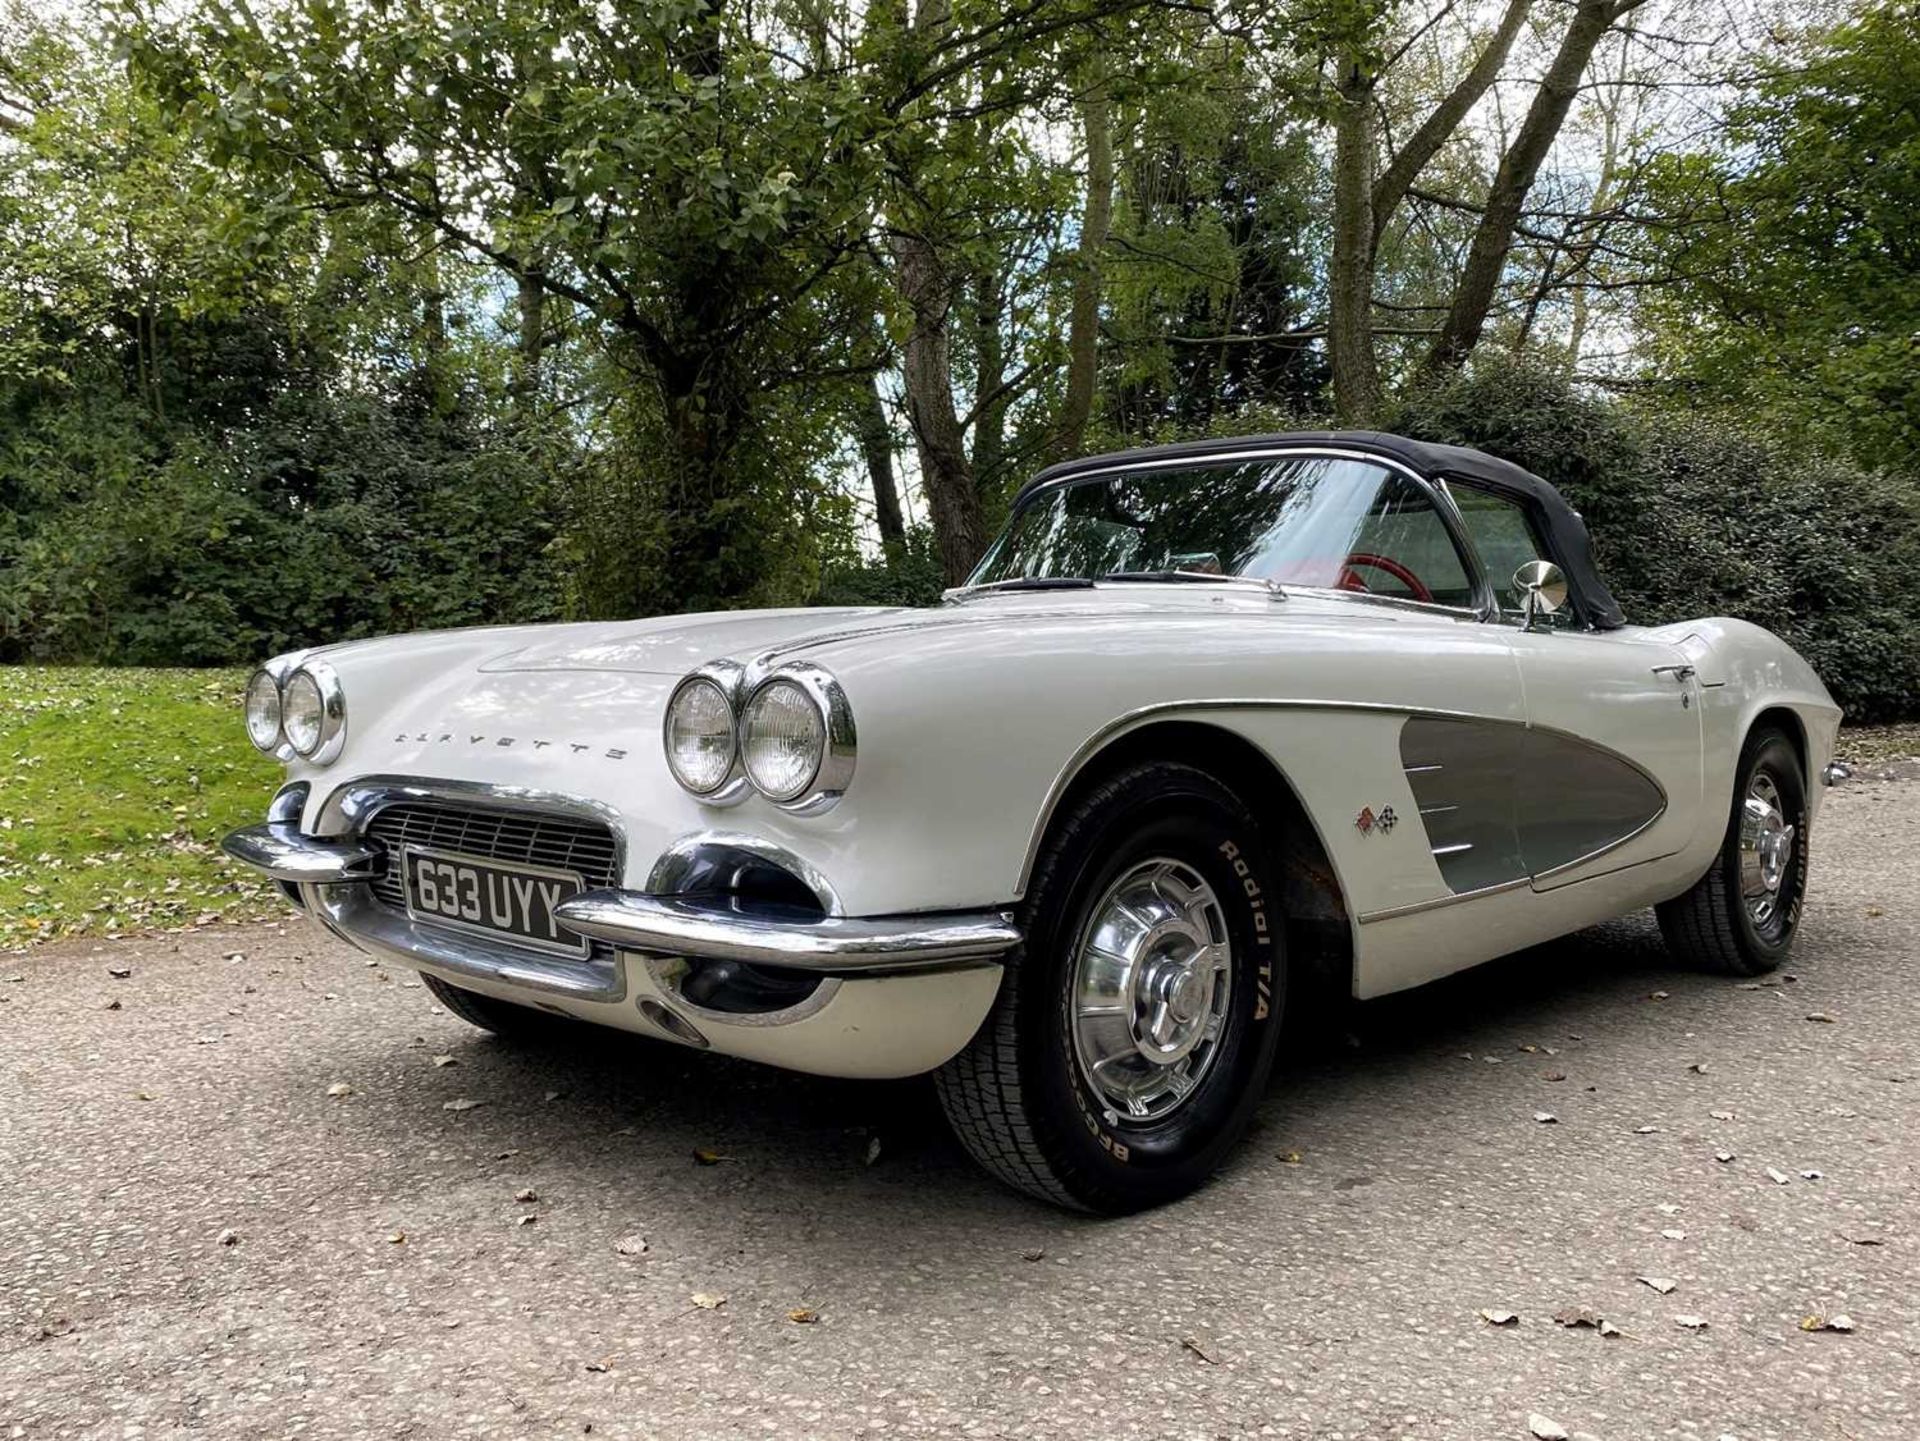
1208, 719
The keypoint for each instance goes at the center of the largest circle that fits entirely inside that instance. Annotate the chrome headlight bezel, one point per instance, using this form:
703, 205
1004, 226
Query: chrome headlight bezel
730, 679
839, 744
275, 744
331, 734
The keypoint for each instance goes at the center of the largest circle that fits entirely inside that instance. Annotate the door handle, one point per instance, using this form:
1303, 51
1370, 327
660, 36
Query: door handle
1680, 672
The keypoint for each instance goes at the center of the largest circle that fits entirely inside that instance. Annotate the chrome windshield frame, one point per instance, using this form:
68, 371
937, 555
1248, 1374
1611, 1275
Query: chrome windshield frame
1484, 607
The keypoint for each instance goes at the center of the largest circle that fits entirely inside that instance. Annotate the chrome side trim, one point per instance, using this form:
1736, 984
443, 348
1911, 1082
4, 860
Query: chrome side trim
280, 852
1414, 909
834, 945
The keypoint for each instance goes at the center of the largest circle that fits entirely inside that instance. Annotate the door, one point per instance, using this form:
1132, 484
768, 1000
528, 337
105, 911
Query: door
1609, 774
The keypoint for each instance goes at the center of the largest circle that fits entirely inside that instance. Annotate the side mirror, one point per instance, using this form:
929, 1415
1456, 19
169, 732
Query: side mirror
1543, 590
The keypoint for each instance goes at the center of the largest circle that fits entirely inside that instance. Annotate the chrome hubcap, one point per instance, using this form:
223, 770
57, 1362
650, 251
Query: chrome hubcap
1152, 981
1766, 848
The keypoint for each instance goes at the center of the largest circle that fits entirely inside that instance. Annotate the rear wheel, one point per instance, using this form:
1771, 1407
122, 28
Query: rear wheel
1135, 1029
503, 1018
1740, 917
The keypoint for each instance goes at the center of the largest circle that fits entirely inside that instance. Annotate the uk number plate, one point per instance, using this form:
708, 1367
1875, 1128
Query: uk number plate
515, 902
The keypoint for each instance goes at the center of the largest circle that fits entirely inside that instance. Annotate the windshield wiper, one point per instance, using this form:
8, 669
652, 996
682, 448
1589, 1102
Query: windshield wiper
1176, 577
1021, 582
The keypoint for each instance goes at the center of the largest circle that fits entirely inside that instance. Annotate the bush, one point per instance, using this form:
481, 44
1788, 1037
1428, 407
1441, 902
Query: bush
1695, 515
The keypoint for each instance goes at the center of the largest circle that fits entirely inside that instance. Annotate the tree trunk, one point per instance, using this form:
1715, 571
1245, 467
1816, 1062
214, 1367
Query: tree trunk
1083, 325
530, 343
876, 444
1401, 172
1487, 259
990, 375
953, 504
1356, 370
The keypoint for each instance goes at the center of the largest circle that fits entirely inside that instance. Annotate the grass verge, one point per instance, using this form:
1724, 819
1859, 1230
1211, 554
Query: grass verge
115, 788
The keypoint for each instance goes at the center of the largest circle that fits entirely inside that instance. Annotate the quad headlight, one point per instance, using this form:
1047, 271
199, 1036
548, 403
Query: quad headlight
699, 735
790, 736
297, 710
263, 711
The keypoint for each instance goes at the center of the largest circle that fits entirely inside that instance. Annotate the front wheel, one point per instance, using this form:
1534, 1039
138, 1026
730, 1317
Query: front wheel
1740, 917
1135, 1029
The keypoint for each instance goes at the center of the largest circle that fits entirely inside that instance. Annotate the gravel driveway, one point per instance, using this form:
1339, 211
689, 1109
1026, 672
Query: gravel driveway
237, 1196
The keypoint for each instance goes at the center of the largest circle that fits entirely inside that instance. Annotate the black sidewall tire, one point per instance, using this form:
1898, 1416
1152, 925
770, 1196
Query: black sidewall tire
1772, 752
1183, 815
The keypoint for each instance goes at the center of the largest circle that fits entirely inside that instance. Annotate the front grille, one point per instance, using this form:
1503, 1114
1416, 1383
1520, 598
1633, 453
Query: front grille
534, 838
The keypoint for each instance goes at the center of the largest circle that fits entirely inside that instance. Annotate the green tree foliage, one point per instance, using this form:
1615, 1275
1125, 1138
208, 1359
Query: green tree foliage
1796, 272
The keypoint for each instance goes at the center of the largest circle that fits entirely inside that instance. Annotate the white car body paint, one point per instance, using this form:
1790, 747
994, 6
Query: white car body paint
975, 717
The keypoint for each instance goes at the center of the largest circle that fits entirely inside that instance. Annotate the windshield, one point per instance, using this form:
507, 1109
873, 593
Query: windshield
1301, 520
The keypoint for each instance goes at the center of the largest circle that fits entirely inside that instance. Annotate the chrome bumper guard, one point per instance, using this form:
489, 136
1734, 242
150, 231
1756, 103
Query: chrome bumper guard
280, 851
829, 945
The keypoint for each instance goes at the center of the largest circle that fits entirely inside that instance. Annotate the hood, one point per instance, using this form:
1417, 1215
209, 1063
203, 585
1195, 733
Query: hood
674, 645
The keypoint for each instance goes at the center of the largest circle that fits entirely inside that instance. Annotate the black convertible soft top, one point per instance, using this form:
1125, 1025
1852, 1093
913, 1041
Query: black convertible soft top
1565, 533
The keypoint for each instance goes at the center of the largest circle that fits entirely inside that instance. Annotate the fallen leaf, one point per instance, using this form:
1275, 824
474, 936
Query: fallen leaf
1646, 1130
635, 1245
1699, 1068
339, 1089
873, 1150
1546, 1118
801, 1316
1292, 1158
707, 1301
1691, 1323
705, 1157
596, 1366
446, 1060
1545, 1428
1529, 1048
228, 1238
1822, 1017
1777, 1176
113, 1005
1659, 1283
527, 1194
396, 1238
1576, 1317
1675, 1235
460, 1104
526, 1220
1812, 1175
1037, 1253
1500, 1318
120, 973
1201, 1349
1721, 1115
1556, 1075
1658, 996
1842, 1322
1723, 1156
1863, 1240
1607, 1328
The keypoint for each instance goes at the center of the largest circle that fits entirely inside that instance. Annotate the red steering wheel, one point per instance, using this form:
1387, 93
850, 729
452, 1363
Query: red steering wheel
1350, 577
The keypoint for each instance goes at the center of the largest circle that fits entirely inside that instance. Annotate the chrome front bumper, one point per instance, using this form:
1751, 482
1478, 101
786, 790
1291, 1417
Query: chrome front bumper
702, 928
